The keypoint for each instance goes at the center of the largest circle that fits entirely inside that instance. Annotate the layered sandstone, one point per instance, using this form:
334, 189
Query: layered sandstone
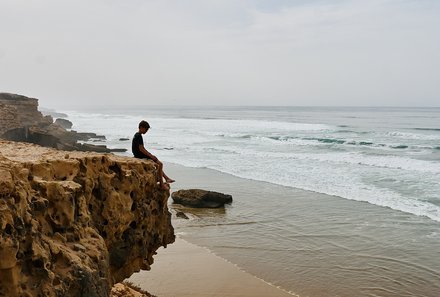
24, 110
20, 120
75, 223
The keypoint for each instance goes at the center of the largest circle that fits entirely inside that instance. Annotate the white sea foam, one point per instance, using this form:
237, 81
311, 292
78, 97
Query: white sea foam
392, 162
289, 154
413, 136
222, 125
339, 175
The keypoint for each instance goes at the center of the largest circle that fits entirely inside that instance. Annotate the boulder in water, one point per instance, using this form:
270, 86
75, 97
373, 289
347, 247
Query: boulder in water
198, 198
66, 124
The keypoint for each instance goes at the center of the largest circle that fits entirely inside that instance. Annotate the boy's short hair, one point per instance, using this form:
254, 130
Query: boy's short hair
144, 124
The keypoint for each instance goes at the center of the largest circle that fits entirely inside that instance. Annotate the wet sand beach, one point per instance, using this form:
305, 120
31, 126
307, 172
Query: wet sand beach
307, 243
186, 270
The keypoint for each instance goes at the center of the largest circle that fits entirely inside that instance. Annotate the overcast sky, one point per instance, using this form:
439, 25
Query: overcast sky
222, 52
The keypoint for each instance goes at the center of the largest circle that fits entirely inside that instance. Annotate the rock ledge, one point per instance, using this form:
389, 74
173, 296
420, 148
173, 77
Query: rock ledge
75, 223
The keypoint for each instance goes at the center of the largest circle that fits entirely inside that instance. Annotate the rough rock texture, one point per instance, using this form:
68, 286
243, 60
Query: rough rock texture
25, 109
128, 290
8, 118
182, 215
66, 124
74, 224
201, 198
20, 120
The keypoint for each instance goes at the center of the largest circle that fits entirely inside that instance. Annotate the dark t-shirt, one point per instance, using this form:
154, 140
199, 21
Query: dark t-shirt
137, 140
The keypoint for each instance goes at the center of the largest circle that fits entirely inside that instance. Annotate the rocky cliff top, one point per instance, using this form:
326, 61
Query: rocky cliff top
16, 97
75, 223
17, 111
20, 120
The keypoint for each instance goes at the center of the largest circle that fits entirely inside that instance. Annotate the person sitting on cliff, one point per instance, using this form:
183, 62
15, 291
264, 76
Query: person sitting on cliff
140, 152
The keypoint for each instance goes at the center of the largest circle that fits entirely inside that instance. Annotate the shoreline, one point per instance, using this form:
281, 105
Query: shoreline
179, 268
347, 248
307, 242
184, 269
317, 245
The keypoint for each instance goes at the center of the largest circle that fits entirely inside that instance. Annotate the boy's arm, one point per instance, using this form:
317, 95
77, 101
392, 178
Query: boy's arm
147, 153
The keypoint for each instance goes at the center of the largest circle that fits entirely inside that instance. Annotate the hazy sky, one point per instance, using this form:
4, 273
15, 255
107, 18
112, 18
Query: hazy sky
222, 52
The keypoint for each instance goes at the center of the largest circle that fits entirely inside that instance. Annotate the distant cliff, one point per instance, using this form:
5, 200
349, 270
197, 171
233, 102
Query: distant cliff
75, 223
17, 111
20, 120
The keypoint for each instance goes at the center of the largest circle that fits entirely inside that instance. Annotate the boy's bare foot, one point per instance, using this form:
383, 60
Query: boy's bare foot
170, 180
165, 186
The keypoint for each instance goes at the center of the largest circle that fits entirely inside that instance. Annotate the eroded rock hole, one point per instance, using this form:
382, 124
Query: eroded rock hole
8, 229
133, 225
43, 191
38, 263
115, 168
82, 166
96, 193
17, 199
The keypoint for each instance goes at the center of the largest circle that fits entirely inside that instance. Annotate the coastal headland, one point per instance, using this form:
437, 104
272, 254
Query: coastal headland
76, 223
20, 120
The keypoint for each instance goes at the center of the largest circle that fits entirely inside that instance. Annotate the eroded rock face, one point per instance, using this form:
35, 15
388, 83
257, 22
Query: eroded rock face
20, 120
73, 224
25, 109
8, 118
66, 124
201, 198
123, 290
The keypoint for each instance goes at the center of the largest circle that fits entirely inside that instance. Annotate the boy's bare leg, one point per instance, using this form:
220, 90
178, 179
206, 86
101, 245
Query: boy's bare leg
164, 186
162, 174
168, 180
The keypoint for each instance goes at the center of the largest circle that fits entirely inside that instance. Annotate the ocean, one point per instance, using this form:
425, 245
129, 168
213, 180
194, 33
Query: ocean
328, 201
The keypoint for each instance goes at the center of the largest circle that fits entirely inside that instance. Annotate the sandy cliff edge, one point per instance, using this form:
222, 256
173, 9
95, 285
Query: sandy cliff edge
75, 223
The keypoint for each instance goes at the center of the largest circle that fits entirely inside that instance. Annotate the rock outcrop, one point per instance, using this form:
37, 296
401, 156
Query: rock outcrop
75, 223
66, 124
20, 120
25, 109
201, 198
127, 289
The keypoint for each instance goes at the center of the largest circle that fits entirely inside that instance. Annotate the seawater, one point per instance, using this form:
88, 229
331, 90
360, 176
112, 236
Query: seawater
330, 201
384, 156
